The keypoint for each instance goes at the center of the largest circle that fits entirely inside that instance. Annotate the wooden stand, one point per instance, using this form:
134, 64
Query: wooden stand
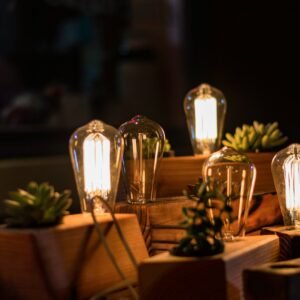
66, 261
159, 220
275, 281
177, 172
289, 241
217, 277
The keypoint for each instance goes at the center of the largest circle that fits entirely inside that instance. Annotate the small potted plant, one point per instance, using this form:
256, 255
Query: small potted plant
45, 254
38, 206
203, 222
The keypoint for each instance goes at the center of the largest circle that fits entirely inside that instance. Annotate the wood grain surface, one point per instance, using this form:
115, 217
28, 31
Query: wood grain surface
159, 220
67, 261
177, 172
273, 281
215, 277
289, 240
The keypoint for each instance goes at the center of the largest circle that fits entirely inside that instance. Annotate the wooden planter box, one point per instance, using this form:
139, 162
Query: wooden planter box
289, 240
66, 261
273, 281
216, 277
177, 172
159, 220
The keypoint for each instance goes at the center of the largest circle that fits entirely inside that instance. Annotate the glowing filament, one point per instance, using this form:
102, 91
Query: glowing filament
206, 118
291, 168
96, 162
229, 181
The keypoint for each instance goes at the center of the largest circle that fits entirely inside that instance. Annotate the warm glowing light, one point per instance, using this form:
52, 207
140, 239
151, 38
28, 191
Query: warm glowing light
206, 119
229, 181
291, 169
233, 174
96, 162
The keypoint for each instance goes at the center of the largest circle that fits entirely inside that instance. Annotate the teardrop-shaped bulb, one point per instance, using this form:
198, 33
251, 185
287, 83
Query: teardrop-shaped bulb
234, 175
143, 149
286, 175
96, 153
205, 110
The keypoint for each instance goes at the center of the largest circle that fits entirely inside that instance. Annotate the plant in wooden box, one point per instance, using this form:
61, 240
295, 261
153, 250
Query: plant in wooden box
255, 138
203, 227
40, 205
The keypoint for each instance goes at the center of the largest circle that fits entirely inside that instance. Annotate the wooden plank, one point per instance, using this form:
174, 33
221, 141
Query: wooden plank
273, 281
217, 277
289, 240
174, 174
159, 220
66, 261
177, 172
21, 275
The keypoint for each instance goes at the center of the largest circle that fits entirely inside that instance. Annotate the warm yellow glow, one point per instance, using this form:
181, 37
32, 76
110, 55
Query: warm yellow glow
96, 163
229, 181
206, 118
291, 169
242, 195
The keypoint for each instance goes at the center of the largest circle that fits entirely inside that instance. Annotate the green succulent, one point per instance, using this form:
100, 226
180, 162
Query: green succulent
203, 231
256, 137
150, 144
39, 205
167, 146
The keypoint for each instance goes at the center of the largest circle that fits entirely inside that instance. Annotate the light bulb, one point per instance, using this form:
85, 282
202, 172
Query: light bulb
96, 152
205, 109
96, 157
286, 175
143, 149
234, 175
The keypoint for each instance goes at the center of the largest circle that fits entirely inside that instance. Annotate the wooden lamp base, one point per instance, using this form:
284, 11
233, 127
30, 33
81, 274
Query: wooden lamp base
66, 261
215, 277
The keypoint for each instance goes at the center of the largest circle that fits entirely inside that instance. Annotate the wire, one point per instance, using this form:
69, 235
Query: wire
121, 235
107, 248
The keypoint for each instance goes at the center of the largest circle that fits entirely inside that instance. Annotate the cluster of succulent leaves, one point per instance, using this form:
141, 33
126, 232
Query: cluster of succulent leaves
167, 146
256, 137
40, 205
150, 145
149, 148
203, 230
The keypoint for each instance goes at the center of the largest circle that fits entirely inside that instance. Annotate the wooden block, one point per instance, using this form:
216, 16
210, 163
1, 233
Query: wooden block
159, 220
177, 172
66, 261
217, 277
273, 281
289, 240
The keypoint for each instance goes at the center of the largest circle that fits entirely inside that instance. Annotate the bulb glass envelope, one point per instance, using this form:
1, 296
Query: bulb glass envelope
96, 151
205, 110
234, 175
286, 175
143, 149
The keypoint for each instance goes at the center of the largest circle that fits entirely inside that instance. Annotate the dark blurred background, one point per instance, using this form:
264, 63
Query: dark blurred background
64, 62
